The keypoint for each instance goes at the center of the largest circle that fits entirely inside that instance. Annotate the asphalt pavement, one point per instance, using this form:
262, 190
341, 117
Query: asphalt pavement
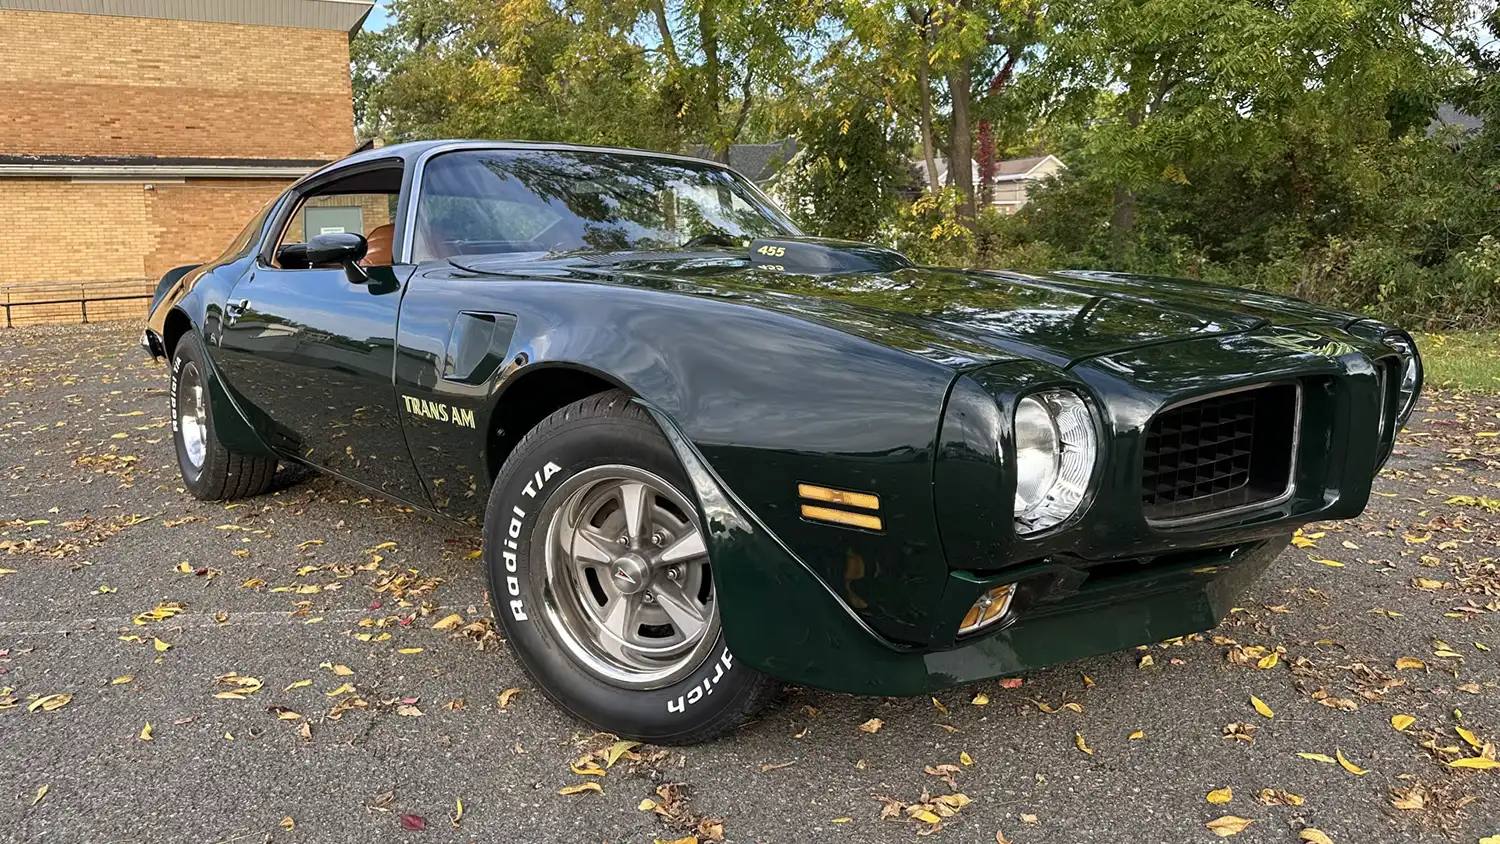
303, 678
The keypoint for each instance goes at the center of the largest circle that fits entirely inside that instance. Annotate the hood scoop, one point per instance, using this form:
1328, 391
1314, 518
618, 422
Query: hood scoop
821, 256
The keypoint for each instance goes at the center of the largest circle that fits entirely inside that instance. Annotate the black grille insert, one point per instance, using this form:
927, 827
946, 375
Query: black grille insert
1219, 453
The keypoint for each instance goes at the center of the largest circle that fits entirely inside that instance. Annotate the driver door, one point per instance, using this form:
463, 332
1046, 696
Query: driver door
313, 347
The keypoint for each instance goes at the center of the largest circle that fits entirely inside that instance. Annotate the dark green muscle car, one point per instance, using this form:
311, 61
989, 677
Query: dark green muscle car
711, 454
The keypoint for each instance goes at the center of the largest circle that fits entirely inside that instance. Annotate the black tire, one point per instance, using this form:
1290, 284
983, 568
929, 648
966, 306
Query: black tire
222, 474
718, 696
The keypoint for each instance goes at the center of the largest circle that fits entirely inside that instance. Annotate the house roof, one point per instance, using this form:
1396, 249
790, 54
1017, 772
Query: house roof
343, 15
1450, 115
1009, 170
756, 162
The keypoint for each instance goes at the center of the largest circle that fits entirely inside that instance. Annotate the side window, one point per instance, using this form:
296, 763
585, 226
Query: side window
363, 204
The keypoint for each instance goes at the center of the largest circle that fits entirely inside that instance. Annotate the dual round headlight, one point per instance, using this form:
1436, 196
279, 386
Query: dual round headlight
1056, 446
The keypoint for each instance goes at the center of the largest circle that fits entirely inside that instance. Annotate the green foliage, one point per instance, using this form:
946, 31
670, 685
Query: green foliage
844, 180
1282, 146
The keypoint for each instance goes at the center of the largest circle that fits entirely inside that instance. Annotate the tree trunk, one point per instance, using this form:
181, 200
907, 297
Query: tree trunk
709, 35
1122, 218
925, 93
961, 145
986, 164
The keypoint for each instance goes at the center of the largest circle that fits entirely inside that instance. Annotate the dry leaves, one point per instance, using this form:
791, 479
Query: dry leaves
1228, 825
871, 726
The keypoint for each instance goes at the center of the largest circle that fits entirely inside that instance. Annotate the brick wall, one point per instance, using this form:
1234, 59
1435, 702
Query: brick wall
62, 231
98, 85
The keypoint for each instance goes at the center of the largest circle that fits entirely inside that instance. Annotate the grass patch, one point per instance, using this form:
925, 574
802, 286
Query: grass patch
1462, 360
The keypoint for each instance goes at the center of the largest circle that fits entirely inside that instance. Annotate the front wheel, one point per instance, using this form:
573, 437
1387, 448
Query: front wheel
601, 576
210, 471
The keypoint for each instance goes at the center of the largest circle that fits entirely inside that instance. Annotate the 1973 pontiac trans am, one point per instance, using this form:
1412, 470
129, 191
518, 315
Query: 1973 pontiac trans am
711, 454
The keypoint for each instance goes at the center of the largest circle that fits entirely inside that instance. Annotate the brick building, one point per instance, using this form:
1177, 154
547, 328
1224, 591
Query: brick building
138, 135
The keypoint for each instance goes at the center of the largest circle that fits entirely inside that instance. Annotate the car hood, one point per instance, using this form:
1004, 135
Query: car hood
958, 317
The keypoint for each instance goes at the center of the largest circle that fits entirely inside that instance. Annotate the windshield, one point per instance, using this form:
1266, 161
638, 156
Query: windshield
480, 202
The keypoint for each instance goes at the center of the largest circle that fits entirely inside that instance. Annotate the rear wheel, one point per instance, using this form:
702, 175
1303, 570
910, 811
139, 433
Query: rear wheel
210, 471
601, 577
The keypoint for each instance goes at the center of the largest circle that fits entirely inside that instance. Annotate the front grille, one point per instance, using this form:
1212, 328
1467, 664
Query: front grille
1219, 453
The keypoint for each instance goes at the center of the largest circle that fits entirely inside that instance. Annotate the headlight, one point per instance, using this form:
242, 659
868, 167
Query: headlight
1411, 372
1055, 450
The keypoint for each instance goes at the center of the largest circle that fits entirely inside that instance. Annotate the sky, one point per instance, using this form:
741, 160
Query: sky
378, 17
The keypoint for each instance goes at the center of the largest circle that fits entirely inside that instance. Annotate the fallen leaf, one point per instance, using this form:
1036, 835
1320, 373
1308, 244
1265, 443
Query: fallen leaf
344, 689
1468, 737
458, 813
49, 703
1277, 797
980, 699
1028, 818
298, 685
121, 680
1138, 734
146, 732
1409, 662
414, 823
1011, 683
1476, 762
965, 759
938, 705
1349, 766
580, 788
1334, 563
1079, 743
342, 670
613, 753
161, 647
1313, 835
1401, 722
408, 651
1318, 757
505, 697
1268, 661
1228, 825
1220, 795
40, 793
1411, 799
872, 726
449, 622
1260, 706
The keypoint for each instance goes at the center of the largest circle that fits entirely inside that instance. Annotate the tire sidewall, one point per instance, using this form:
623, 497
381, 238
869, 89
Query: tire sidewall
518, 580
187, 351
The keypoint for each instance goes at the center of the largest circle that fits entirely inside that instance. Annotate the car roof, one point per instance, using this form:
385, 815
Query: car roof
410, 151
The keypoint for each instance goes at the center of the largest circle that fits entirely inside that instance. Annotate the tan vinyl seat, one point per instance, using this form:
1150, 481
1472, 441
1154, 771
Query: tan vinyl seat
381, 241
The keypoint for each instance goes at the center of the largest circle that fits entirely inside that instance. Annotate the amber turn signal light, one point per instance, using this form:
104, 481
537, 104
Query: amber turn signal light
991, 607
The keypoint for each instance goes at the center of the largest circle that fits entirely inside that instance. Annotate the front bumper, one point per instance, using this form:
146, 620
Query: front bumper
782, 619
152, 344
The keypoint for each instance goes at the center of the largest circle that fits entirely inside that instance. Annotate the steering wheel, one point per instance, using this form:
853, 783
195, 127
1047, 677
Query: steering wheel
710, 239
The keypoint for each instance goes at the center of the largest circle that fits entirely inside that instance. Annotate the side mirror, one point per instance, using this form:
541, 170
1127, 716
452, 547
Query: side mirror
336, 248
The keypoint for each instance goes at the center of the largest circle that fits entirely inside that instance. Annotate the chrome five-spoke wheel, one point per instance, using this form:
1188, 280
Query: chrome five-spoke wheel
192, 414
629, 590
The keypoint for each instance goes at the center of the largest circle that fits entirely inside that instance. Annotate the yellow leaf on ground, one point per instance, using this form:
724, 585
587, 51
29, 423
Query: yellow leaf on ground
505, 697
342, 670
1268, 661
1260, 706
1313, 835
161, 647
580, 788
1401, 722
1490, 839
49, 703
646, 805
588, 769
121, 680
146, 732
1079, 743
691, 839
458, 814
618, 749
872, 726
1318, 757
1220, 795
1138, 734
1349, 766
1476, 762
965, 758
1228, 825
938, 705
1145, 662
841, 820
1468, 737
40, 793
298, 685
341, 690
408, 650
980, 699
449, 622
1410, 662
1335, 563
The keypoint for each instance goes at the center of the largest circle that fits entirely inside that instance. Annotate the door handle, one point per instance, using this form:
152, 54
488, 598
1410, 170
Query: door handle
235, 308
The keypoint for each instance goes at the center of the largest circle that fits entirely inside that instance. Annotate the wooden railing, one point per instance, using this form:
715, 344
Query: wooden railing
73, 302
